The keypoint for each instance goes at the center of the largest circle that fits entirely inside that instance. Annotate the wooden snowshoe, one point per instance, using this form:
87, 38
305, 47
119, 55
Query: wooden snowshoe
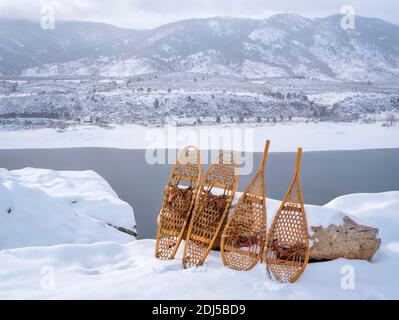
210, 210
244, 236
287, 251
178, 200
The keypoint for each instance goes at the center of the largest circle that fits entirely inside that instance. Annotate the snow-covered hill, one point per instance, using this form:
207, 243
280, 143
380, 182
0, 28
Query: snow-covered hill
187, 99
104, 66
282, 45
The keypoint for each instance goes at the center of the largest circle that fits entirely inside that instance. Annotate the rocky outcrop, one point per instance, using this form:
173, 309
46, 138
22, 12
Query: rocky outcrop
349, 240
132, 232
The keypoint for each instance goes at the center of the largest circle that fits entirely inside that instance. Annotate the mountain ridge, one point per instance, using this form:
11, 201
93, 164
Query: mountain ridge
283, 45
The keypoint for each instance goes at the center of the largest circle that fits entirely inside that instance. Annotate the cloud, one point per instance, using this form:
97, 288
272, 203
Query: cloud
152, 13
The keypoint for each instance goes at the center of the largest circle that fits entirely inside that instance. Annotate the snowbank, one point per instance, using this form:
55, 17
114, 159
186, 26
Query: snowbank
45, 207
130, 271
84, 191
111, 270
380, 210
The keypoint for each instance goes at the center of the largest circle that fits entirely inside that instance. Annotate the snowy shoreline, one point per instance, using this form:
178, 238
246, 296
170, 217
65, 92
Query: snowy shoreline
322, 136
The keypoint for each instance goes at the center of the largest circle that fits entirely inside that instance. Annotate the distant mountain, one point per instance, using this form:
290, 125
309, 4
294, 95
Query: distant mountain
283, 45
24, 44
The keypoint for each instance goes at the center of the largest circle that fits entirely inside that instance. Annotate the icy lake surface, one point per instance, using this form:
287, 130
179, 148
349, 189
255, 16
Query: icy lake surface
325, 174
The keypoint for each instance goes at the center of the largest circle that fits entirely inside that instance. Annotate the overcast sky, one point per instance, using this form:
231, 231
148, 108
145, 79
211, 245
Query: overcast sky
151, 13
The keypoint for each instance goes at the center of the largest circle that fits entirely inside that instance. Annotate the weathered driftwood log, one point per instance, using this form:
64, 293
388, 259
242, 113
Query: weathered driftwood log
349, 240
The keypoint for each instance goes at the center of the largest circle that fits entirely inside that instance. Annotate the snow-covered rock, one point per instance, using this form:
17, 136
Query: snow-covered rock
44, 207
84, 191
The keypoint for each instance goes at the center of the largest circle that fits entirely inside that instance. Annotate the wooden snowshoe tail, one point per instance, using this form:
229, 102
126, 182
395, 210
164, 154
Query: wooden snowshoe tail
211, 207
287, 250
178, 200
244, 235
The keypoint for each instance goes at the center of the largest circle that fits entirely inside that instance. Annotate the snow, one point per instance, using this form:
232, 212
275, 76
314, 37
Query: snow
116, 271
15, 95
380, 210
206, 62
284, 137
110, 270
6, 200
44, 207
85, 191
218, 29
269, 37
164, 33
104, 66
114, 268
330, 98
253, 70
355, 60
